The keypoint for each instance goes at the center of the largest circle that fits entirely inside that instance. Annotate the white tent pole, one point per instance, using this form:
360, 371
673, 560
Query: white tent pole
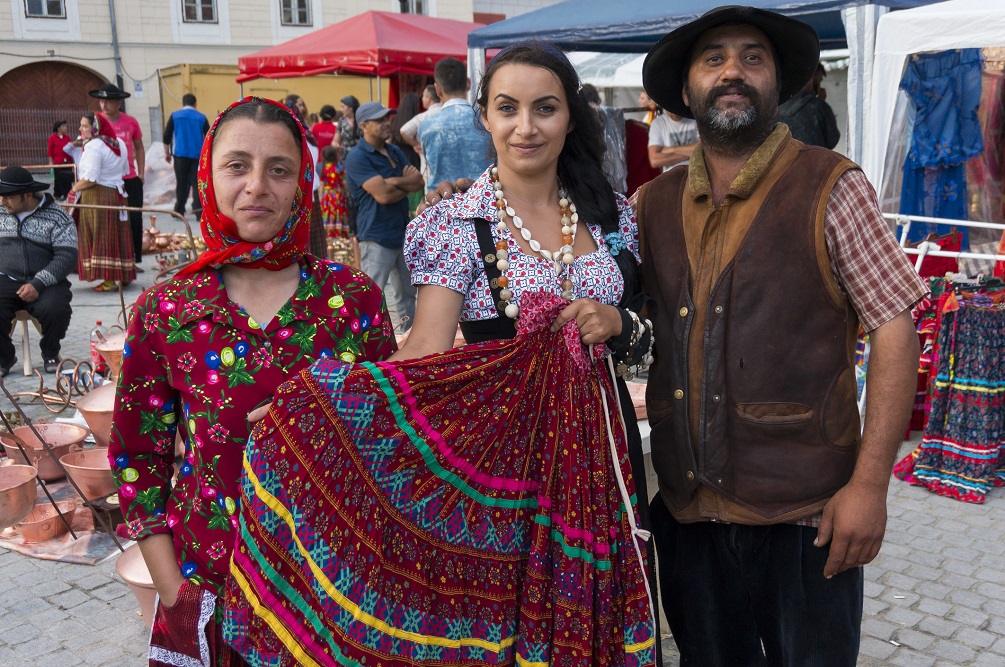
860, 31
476, 67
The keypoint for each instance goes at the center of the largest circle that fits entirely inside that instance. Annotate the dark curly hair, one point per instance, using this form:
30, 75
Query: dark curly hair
580, 162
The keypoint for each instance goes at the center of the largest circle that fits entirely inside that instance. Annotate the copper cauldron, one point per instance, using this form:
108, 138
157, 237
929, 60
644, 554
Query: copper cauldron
91, 472
96, 406
43, 522
111, 351
17, 492
62, 438
133, 570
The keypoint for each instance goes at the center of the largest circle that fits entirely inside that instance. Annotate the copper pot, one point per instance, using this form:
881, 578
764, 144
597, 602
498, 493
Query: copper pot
43, 522
91, 471
17, 492
111, 350
96, 406
62, 438
133, 570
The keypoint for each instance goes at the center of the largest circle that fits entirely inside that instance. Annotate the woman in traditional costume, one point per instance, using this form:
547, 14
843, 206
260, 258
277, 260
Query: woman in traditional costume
471, 506
105, 240
205, 348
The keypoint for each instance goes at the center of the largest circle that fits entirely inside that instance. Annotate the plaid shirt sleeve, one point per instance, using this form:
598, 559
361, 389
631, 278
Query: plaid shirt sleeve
865, 258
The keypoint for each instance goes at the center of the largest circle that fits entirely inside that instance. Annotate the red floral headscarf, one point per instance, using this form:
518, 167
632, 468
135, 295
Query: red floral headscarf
224, 246
102, 129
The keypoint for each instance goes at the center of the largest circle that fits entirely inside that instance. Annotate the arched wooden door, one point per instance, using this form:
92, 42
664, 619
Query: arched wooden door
32, 98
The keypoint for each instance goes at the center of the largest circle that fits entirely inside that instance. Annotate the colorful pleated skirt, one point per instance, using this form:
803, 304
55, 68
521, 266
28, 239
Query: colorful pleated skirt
474, 507
962, 454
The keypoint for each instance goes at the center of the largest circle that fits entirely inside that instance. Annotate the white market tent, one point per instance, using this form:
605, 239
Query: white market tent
954, 24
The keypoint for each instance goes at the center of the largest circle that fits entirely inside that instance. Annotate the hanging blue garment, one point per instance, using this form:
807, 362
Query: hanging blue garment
945, 89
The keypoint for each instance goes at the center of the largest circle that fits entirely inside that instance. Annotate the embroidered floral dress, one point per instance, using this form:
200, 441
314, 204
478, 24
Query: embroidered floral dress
334, 201
194, 358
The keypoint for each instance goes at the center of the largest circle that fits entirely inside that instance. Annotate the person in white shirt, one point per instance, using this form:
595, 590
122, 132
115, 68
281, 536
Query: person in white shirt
105, 237
672, 139
410, 130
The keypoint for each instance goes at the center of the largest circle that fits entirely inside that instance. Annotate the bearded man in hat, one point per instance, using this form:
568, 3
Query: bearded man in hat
128, 129
38, 249
763, 256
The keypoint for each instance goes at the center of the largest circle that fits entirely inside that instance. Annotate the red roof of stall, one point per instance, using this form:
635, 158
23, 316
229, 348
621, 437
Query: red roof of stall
371, 43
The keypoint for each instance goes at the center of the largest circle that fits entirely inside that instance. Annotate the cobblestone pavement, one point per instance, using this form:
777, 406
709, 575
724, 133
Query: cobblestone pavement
935, 596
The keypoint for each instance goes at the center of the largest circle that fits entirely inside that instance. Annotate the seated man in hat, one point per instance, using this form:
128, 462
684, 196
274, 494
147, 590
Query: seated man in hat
763, 256
38, 249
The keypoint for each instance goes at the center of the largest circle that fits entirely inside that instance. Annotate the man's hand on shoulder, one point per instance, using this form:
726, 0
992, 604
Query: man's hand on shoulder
445, 190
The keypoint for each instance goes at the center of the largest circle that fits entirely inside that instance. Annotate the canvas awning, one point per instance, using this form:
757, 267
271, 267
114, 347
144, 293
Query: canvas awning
369, 44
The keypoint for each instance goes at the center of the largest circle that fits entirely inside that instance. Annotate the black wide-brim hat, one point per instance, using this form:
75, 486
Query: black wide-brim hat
17, 181
797, 50
109, 91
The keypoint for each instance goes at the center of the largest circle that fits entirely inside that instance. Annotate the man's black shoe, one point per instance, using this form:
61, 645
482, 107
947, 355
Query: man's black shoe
50, 365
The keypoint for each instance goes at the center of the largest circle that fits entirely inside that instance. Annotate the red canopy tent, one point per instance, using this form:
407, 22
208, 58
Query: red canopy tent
370, 44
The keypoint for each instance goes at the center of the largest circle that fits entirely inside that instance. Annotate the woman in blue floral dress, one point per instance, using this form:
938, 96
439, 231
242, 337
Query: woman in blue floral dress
208, 346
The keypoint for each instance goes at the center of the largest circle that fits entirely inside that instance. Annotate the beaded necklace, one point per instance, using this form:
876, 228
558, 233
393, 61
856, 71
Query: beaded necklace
560, 259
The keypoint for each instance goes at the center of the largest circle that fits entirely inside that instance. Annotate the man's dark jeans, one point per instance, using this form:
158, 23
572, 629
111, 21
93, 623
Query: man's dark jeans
186, 170
134, 197
754, 596
51, 308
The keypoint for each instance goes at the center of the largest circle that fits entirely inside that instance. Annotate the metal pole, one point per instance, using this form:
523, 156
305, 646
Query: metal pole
115, 46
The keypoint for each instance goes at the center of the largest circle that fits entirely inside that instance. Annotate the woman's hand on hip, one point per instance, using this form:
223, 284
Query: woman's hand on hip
597, 322
169, 590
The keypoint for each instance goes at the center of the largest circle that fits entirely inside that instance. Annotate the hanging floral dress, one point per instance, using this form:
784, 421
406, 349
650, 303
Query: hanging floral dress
334, 201
945, 90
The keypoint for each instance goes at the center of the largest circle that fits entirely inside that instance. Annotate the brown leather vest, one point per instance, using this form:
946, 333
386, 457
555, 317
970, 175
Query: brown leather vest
778, 426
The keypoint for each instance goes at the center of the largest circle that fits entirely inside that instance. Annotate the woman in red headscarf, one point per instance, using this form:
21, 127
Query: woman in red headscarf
105, 240
208, 346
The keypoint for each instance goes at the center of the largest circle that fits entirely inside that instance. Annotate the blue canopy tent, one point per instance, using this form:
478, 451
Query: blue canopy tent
634, 26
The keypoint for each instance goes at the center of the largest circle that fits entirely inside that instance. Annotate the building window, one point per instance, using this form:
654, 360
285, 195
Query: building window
414, 6
47, 9
199, 11
296, 12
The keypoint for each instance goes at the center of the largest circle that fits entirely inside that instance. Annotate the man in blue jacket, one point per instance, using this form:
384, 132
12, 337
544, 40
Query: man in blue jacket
186, 128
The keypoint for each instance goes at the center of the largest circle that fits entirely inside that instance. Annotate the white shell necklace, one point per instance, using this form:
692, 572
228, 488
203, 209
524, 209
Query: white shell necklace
560, 259
570, 223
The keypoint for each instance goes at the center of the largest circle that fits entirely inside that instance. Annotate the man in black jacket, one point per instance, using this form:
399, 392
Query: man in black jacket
38, 249
810, 119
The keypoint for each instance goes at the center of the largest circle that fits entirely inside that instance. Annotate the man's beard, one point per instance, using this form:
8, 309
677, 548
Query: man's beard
733, 130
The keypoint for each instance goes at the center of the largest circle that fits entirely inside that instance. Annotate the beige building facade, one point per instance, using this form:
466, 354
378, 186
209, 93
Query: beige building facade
54, 51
